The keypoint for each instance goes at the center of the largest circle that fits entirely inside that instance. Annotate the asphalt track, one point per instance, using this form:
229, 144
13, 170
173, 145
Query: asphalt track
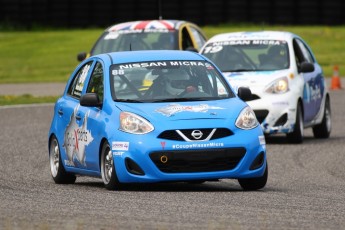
305, 190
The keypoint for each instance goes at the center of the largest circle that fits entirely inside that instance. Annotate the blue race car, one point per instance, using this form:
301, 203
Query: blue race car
155, 116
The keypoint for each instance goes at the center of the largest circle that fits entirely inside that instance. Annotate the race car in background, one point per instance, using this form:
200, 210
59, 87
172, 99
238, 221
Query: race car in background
288, 86
148, 35
188, 126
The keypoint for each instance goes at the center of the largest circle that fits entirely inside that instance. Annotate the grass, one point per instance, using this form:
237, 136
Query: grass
50, 55
25, 99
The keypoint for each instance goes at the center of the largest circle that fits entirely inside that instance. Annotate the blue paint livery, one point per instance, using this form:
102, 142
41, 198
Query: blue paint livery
82, 130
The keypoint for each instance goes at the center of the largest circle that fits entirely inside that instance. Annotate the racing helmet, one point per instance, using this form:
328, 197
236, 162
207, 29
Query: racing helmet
176, 81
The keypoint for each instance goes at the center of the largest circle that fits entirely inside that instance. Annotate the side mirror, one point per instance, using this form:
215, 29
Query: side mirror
90, 100
244, 93
306, 67
81, 56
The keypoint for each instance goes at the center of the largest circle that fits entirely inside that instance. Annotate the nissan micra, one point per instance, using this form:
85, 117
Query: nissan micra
288, 85
188, 125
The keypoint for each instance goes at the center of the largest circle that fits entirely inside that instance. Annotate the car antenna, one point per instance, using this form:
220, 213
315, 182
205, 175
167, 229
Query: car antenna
160, 17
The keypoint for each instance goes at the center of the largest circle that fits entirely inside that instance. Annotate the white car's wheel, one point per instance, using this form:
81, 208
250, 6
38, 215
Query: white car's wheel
323, 130
297, 135
59, 175
108, 169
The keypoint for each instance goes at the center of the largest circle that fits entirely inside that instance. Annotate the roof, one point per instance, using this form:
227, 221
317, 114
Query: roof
151, 55
262, 35
147, 24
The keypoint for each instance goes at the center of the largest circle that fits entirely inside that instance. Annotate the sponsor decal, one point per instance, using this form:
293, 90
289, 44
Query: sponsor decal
69, 163
262, 141
163, 144
115, 34
111, 35
218, 46
117, 153
81, 80
120, 146
171, 109
161, 64
198, 145
280, 103
144, 25
312, 93
76, 139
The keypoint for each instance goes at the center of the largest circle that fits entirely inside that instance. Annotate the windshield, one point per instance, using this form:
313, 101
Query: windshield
164, 81
248, 55
124, 40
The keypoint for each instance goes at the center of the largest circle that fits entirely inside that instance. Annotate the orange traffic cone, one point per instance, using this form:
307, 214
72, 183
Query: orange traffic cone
335, 83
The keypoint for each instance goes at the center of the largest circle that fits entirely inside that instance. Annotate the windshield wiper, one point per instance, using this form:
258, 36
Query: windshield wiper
239, 70
181, 99
129, 100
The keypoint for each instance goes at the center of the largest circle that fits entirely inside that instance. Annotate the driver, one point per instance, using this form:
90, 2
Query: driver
278, 56
164, 42
177, 82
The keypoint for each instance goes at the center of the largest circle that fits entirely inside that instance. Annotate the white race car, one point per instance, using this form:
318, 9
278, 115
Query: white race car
288, 86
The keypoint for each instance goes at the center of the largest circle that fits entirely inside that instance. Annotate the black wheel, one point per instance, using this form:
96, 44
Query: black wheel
256, 183
58, 172
108, 169
323, 130
297, 135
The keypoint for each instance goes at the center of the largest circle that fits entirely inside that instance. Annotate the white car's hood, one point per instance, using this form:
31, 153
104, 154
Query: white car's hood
254, 80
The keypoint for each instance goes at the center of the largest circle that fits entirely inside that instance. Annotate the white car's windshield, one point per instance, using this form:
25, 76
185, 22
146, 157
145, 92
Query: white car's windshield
160, 81
248, 55
135, 40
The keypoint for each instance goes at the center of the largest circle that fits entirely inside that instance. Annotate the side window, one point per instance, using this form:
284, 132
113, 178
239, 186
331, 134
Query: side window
199, 38
305, 51
96, 81
298, 54
77, 85
186, 39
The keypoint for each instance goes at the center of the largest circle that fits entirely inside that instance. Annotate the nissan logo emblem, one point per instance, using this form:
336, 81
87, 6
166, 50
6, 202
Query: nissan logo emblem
197, 134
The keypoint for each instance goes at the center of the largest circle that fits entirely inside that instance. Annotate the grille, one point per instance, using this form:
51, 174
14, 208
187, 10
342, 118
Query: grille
282, 120
261, 115
173, 135
188, 161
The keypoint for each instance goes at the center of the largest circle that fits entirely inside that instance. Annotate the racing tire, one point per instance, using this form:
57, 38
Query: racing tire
323, 130
58, 172
251, 184
108, 172
296, 137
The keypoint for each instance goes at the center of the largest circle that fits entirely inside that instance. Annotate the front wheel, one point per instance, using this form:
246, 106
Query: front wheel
58, 172
323, 130
256, 183
296, 136
108, 172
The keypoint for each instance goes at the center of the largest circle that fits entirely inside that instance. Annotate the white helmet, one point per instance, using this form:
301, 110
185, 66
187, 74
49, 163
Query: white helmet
176, 81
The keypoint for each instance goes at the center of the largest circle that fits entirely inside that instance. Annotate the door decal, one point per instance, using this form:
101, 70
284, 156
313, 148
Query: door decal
76, 139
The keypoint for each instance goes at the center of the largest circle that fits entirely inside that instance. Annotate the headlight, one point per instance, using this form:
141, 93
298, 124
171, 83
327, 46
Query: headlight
279, 86
131, 123
246, 119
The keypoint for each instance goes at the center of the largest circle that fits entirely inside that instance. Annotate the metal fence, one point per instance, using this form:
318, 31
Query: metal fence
95, 13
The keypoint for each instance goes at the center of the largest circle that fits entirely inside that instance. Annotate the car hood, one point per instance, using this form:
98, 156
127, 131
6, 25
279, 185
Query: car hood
254, 80
174, 111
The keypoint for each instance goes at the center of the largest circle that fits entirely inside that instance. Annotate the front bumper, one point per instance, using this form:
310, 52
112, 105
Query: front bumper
159, 160
276, 113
